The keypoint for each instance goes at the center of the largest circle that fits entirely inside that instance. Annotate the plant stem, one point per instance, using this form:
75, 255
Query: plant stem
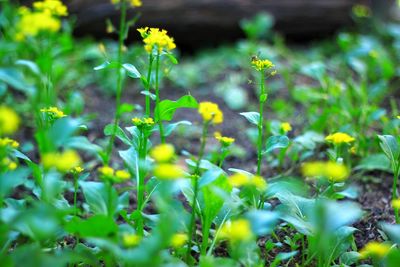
394, 192
122, 31
140, 186
75, 194
148, 86
260, 123
192, 224
160, 125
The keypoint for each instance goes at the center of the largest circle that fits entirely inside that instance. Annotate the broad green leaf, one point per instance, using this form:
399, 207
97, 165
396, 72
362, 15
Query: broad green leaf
109, 130
10, 180
390, 147
253, 117
106, 65
172, 126
374, 162
96, 226
101, 198
166, 109
62, 130
392, 230
274, 142
32, 66
262, 222
16, 80
131, 70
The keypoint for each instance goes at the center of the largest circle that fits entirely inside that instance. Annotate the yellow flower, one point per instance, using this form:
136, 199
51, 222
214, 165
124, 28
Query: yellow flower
133, 3
31, 23
375, 249
339, 138
178, 240
236, 231
261, 65
155, 38
238, 180
148, 121
77, 170
166, 171
333, 171
224, 140
259, 182
106, 171
63, 162
143, 122
51, 7
53, 112
163, 152
122, 175
8, 164
286, 127
131, 240
5, 142
9, 121
396, 203
211, 112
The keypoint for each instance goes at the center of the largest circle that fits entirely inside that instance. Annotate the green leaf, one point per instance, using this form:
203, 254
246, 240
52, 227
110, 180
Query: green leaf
390, 147
374, 162
274, 142
152, 96
32, 66
10, 180
393, 231
62, 130
172, 58
131, 70
95, 226
252, 117
106, 65
166, 109
262, 222
16, 80
172, 126
101, 198
109, 130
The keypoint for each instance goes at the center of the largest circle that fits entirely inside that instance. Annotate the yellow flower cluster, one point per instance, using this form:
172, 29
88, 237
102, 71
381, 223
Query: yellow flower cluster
333, 171
8, 142
261, 64
51, 7
143, 122
178, 240
53, 112
236, 231
8, 164
133, 3
240, 180
375, 249
286, 127
224, 140
77, 170
43, 18
131, 240
63, 162
396, 203
9, 121
211, 112
156, 38
117, 176
163, 153
339, 138
168, 171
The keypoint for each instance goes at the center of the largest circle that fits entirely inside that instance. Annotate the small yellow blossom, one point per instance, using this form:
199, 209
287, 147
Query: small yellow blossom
211, 112
131, 240
106, 171
122, 175
9, 121
133, 3
155, 38
259, 182
224, 140
238, 180
236, 231
51, 7
375, 249
148, 121
178, 240
166, 171
8, 164
63, 162
163, 153
353, 150
5, 142
53, 112
396, 203
261, 65
339, 138
143, 122
77, 170
333, 171
286, 127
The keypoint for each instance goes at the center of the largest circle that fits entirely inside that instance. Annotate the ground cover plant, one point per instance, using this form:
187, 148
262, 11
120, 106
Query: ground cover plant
253, 154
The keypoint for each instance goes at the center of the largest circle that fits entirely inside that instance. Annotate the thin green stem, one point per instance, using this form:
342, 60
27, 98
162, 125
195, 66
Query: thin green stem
122, 31
148, 86
140, 186
160, 125
75, 195
261, 122
394, 192
192, 224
